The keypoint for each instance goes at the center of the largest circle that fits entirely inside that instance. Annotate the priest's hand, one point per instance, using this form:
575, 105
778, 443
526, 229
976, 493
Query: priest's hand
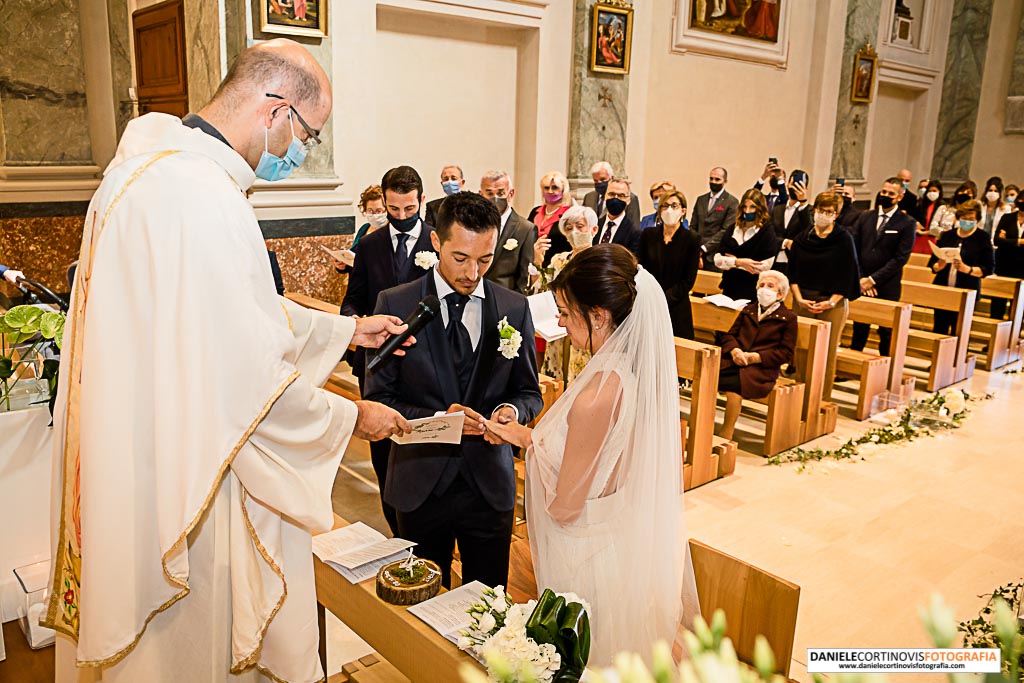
376, 421
373, 330
509, 432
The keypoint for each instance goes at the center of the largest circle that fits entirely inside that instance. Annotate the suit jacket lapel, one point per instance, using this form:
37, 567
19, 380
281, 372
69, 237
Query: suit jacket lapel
506, 233
390, 276
438, 349
422, 244
487, 349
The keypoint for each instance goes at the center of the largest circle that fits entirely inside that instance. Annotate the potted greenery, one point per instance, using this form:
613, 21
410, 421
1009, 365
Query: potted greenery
26, 334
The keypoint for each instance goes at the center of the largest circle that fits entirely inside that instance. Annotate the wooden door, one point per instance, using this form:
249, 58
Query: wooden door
160, 70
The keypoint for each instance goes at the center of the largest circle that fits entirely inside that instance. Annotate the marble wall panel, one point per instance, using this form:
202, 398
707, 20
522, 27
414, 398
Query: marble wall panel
118, 24
202, 51
597, 118
307, 270
1015, 94
862, 18
42, 84
961, 88
42, 247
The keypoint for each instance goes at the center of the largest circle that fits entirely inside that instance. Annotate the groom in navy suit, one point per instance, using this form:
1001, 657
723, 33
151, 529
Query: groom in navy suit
465, 492
385, 259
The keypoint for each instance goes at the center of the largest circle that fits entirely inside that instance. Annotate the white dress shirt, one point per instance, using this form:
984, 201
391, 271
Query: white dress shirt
740, 235
413, 234
504, 218
888, 215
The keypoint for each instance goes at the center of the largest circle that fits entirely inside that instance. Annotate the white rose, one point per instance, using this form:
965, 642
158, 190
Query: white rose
954, 400
425, 259
487, 622
511, 244
465, 643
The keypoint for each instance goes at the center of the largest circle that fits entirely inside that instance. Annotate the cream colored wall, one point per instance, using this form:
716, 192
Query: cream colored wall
447, 94
708, 111
893, 136
996, 153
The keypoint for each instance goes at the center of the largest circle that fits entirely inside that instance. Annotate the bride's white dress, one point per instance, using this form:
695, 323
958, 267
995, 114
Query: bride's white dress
609, 451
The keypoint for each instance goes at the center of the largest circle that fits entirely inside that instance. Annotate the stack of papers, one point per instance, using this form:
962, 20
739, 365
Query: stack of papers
448, 613
544, 312
358, 552
722, 301
947, 254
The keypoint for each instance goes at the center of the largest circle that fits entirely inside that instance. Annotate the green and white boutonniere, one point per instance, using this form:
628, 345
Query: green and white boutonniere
511, 339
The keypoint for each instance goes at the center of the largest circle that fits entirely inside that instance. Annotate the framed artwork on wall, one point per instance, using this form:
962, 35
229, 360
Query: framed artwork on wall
749, 30
294, 17
865, 69
611, 38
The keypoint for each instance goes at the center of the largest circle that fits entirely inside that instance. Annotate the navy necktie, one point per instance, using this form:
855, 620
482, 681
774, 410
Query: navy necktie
459, 340
401, 255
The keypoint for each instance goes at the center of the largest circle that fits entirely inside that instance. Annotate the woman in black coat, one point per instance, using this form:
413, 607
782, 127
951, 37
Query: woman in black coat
977, 260
1009, 240
744, 247
671, 254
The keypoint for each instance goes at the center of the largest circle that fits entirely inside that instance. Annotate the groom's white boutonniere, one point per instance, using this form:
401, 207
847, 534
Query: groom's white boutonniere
511, 243
511, 339
426, 259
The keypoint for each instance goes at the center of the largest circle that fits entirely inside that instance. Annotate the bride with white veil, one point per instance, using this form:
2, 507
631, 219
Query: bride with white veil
604, 466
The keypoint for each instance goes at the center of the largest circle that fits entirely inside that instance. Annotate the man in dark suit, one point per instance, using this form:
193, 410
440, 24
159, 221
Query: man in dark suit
385, 259
452, 181
461, 493
516, 236
618, 228
790, 219
602, 172
884, 239
713, 214
775, 176
908, 195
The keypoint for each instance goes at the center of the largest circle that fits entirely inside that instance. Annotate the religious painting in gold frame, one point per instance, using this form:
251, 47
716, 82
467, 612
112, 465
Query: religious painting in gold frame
865, 69
611, 38
294, 17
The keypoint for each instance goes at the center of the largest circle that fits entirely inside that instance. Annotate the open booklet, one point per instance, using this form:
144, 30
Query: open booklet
448, 613
722, 301
947, 254
346, 256
437, 429
544, 312
358, 552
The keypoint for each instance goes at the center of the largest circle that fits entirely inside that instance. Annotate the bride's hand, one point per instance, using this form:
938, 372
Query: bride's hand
508, 433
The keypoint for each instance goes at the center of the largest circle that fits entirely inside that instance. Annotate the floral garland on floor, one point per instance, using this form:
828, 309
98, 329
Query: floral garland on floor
939, 412
989, 630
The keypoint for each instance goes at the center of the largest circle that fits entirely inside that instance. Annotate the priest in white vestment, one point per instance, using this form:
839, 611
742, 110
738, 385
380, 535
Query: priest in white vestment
195, 451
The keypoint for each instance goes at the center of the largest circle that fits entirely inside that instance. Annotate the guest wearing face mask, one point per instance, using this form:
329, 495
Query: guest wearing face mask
1010, 193
555, 190
922, 187
824, 275
713, 214
884, 239
386, 258
602, 172
976, 260
743, 252
775, 178
1009, 242
944, 218
926, 209
514, 253
452, 181
792, 218
671, 254
992, 207
759, 343
908, 198
617, 227
658, 189
371, 205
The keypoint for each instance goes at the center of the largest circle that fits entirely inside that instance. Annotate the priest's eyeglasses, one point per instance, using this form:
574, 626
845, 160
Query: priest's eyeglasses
313, 138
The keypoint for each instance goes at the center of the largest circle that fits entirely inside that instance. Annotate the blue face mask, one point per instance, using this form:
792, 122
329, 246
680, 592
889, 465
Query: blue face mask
967, 225
749, 216
451, 187
273, 167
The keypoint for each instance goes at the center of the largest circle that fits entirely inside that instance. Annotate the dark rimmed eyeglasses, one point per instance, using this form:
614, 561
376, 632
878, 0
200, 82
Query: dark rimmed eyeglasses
314, 135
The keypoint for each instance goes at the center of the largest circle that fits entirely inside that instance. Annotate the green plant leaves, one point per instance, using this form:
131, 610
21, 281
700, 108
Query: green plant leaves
21, 317
51, 324
6, 368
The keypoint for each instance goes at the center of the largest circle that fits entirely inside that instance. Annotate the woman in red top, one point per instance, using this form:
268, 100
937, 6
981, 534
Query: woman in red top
555, 190
926, 208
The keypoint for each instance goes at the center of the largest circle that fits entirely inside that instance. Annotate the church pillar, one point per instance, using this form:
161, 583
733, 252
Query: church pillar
1015, 95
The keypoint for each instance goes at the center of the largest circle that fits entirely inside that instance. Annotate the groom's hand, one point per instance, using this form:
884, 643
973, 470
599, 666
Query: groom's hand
376, 421
505, 414
474, 423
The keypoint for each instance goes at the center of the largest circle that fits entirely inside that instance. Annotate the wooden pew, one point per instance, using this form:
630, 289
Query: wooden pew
705, 456
707, 282
950, 361
1000, 339
919, 260
796, 411
878, 373
754, 601
315, 304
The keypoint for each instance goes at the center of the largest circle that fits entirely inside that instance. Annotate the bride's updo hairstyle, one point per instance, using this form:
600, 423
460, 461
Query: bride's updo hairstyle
603, 276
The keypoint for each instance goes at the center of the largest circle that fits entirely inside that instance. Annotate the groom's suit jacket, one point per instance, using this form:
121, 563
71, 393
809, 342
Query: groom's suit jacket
424, 381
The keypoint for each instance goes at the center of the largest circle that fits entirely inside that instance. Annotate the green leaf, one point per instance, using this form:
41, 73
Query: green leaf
59, 336
6, 368
20, 316
50, 324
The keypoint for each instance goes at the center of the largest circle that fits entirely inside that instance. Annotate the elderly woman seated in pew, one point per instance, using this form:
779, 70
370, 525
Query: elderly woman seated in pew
758, 344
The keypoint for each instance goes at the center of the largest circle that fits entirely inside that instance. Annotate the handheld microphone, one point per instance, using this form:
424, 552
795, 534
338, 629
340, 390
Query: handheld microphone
424, 312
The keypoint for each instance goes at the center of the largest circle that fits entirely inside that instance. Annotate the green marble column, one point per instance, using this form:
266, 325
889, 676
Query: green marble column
1015, 94
961, 88
43, 118
597, 118
862, 18
118, 25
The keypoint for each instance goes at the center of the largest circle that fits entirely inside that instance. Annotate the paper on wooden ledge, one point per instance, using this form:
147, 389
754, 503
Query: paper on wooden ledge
722, 301
436, 429
544, 312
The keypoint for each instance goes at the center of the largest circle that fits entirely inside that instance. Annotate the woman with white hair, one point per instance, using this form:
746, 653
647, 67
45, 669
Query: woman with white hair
759, 343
